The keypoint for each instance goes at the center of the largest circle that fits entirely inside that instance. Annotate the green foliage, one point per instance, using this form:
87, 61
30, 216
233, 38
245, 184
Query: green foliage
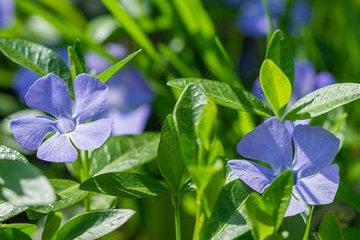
329, 228
266, 212
76, 59
51, 226
95, 224
276, 86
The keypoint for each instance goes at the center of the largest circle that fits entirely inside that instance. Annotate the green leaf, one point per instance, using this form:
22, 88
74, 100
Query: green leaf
76, 59
225, 95
8, 153
122, 153
68, 193
93, 225
275, 85
280, 52
266, 212
13, 233
23, 227
349, 232
329, 228
25, 185
51, 226
9, 210
227, 221
35, 57
108, 73
349, 195
125, 184
324, 100
170, 161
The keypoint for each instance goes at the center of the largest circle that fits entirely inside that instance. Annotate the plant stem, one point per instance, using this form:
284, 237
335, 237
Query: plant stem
85, 175
308, 224
176, 204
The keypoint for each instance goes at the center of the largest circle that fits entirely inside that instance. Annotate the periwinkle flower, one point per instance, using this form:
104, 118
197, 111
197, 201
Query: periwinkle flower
7, 12
308, 153
72, 124
252, 20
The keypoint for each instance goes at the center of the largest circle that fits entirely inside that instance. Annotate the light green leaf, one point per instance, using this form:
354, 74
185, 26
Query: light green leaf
122, 153
170, 161
275, 85
125, 184
280, 52
323, 100
68, 193
35, 57
8, 210
227, 221
329, 228
93, 225
13, 233
23, 227
8, 153
108, 73
24, 184
226, 95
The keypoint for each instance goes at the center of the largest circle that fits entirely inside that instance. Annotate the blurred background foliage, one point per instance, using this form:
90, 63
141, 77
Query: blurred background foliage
202, 39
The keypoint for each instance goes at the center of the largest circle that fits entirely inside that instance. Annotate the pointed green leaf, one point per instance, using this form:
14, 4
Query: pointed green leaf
170, 161
76, 59
280, 52
23, 227
324, 100
227, 221
35, 57
329, 228
51, 226
68, 193
93, 225
125, 184
226, 95
25, 185
108, 73
275, 85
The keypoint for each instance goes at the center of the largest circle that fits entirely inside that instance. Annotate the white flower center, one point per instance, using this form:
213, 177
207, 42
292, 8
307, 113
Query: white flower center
65, 125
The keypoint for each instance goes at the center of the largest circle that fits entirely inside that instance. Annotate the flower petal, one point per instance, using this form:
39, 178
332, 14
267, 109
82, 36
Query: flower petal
91, 135
50, 94
319, 188
269, 142
30, 131
129, 123
254, 175
315, 148
91, 97
295, 207
57, 148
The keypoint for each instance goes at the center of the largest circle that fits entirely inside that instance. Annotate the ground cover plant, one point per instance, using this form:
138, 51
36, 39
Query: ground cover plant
156, 119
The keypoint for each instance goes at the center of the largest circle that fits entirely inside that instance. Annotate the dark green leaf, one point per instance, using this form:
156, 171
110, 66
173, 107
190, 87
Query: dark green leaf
23, 184
329, 228
275, 85
349, 232
68, 193
225, 95
93, 225
324, 100
51, 226
227, 221
13, 233
125, 184
76, 59
108, 73
349, 195
280, 52
35, 57
170, 161
8, 153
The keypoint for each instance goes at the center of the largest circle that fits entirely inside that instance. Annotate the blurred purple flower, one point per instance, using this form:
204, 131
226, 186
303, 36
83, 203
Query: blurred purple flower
7, 12
253, 22
71, 124
315, 179
306, 80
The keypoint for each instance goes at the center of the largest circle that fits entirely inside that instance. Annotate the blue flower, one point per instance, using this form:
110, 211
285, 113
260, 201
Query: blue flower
7, 12
253, 22
72, 124
308, 153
